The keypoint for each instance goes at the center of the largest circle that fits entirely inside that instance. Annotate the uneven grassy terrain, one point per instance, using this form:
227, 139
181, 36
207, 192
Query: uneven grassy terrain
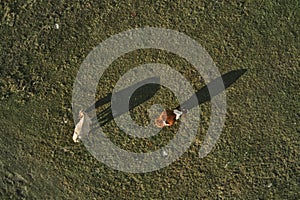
257, 155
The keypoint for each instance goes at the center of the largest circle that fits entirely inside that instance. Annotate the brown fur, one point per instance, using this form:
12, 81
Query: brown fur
168, 116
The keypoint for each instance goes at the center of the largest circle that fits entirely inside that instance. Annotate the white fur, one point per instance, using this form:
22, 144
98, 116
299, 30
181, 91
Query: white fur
82, 127
177, 113
165, 124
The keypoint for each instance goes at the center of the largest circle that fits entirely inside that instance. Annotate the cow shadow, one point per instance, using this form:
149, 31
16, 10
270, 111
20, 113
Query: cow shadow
144, 90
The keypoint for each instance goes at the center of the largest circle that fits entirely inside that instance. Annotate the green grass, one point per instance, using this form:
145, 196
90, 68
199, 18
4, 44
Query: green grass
257, 156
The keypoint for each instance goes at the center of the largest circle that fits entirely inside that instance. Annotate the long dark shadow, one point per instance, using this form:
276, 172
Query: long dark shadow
203, 94
141, 92
122, 93
139, 96
144, 92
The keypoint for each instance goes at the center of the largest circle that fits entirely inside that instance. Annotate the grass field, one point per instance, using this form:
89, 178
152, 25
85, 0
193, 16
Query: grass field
257, 155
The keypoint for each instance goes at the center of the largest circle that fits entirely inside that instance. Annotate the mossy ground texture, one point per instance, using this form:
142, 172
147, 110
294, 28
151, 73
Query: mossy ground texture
257, 155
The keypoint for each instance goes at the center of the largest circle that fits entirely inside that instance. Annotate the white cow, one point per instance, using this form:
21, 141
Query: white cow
82, 127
